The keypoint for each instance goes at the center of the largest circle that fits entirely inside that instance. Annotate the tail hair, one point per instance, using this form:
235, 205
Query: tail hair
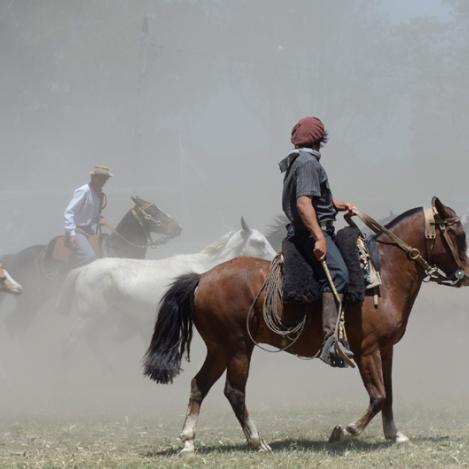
173, 331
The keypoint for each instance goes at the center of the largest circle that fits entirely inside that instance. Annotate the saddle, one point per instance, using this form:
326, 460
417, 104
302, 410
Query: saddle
360, 255
59, 249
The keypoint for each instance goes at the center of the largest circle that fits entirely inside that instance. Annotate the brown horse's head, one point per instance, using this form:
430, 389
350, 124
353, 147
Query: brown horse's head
154, 219
450, 250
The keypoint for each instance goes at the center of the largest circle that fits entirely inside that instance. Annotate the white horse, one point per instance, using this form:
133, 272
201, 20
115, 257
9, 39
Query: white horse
7, 283
124, 293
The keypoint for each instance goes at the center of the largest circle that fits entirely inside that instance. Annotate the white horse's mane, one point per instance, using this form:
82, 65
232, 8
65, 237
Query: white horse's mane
218, 245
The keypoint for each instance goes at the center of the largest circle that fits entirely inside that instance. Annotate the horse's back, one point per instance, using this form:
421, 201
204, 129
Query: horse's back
226, 292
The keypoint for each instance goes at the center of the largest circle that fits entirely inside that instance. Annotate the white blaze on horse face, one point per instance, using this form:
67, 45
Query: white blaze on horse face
8, 284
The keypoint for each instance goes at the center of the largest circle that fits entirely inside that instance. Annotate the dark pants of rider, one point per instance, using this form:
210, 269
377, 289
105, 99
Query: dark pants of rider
334, 260
83, 252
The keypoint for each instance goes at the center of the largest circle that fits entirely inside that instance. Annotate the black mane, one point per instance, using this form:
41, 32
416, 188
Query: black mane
401, 217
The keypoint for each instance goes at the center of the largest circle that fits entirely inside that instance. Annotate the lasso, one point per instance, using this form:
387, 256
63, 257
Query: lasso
273, 300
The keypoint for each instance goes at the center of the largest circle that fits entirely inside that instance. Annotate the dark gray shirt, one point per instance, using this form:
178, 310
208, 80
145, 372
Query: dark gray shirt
306, 176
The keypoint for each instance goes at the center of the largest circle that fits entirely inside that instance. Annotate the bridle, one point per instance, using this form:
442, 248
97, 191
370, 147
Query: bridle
139, 212
433, 221
142, 217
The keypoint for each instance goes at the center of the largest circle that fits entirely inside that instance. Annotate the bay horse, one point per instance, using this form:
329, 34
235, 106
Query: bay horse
218, 301
40, 274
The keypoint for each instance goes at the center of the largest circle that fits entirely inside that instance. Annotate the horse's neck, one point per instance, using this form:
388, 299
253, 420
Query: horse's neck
402, 277
129, 229
210, 257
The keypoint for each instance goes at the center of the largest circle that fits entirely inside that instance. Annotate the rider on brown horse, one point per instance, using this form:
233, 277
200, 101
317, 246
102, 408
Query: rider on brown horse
83, 213
309, 205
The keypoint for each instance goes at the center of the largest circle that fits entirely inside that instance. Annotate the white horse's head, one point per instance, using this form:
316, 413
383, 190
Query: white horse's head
7, 284
245, 242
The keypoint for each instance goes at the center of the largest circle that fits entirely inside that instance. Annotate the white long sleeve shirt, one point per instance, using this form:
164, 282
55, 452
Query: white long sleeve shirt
83, 210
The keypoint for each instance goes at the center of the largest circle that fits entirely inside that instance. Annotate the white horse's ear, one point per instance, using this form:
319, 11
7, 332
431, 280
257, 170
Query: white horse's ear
134, 200
244, 225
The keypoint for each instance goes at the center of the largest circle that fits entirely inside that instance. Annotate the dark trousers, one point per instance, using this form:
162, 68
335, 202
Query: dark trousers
334, 260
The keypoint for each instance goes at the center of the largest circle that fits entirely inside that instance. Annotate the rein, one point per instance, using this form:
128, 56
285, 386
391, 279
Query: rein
137, 213
432, 272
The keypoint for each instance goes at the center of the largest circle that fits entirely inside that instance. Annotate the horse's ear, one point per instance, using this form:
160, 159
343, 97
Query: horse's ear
136, 200
244, 225
440, 208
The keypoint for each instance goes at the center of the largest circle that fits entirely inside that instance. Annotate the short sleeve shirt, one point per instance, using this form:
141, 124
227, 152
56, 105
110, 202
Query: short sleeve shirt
305, 176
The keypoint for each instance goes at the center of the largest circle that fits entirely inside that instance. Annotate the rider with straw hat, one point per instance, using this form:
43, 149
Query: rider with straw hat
309, 205
83, 214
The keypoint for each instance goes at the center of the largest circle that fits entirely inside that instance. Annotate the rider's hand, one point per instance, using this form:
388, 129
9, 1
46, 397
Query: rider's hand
320, 249
349, 207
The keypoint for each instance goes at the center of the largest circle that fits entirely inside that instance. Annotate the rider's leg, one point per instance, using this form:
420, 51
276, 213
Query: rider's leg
83, 252
330, 308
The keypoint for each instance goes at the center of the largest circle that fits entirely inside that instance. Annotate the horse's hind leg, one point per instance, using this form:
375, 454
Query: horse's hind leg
389, 427
235, 391
211, 370
372, 375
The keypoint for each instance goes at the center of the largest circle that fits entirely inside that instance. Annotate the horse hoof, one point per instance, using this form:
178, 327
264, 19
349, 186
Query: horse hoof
260, 445
401, 438
264, 447
339, 434
188, 450
398, 438
186, 453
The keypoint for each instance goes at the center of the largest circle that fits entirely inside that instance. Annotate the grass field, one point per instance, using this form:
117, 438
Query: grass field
439, 438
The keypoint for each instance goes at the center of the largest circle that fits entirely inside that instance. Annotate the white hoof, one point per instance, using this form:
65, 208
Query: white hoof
401, 438
264, 447
259, 445
188, 450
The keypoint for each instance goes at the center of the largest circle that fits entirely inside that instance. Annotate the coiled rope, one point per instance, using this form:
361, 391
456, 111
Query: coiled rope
273, 301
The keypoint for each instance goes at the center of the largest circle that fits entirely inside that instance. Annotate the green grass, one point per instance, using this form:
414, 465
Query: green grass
439, 438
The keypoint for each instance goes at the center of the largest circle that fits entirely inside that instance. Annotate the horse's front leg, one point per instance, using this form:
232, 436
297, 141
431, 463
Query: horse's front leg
371, 371
389, 427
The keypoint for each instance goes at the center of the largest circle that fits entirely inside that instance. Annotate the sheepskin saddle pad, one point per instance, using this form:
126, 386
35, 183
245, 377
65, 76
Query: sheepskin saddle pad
360, 255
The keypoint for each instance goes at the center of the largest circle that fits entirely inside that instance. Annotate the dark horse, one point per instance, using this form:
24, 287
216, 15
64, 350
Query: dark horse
40, 274
218, 302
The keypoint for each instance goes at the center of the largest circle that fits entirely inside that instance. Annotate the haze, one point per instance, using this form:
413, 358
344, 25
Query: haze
191, 105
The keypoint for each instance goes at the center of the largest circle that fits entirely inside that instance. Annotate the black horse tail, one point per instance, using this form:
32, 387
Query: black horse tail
173, 331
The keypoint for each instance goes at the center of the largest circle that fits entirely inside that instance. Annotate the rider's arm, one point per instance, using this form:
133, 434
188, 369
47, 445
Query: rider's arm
309, 218
71, 210
343, 205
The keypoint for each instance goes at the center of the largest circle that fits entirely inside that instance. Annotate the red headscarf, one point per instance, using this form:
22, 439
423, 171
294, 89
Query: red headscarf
308, 131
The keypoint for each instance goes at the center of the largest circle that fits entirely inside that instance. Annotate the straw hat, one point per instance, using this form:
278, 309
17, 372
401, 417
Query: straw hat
101, 170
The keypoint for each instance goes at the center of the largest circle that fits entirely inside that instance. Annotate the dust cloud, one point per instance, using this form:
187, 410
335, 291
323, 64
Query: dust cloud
191, 105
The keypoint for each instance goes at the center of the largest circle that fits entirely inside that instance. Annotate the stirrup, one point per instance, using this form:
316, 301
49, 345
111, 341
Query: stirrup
329, 354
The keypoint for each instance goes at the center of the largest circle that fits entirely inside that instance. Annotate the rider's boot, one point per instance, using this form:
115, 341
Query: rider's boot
330, 314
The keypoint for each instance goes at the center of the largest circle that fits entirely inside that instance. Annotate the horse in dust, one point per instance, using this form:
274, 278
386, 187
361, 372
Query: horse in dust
7, 283
218, 302
38, 270
121, 293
